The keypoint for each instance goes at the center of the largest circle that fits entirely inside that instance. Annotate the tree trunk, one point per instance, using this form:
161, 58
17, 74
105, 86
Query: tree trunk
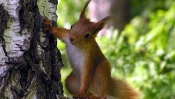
118, 8
30, 63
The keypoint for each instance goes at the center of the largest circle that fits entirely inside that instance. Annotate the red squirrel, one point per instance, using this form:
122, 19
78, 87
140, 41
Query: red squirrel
91, 70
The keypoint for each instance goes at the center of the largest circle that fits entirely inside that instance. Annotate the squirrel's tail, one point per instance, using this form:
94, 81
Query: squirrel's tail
120, 89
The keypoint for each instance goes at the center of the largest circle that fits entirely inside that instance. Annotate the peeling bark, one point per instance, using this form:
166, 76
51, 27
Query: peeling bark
30, 63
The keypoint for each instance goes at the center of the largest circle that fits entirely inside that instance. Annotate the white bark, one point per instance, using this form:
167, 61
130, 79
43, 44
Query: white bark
29, 60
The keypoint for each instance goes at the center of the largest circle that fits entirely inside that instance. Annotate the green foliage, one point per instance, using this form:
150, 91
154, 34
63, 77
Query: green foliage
143, 53
68, 12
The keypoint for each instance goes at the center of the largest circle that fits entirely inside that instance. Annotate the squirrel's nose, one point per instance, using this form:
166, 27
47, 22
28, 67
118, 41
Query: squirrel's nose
72, 39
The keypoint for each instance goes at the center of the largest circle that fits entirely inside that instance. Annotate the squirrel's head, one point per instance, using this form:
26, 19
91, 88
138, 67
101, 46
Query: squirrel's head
85, 31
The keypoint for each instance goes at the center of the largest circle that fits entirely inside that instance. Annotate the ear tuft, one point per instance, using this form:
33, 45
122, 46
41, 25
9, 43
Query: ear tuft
82, 15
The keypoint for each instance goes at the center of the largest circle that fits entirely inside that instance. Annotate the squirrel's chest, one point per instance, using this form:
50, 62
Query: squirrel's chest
76, 56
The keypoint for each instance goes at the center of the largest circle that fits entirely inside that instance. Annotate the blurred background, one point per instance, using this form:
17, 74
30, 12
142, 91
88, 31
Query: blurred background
139, 42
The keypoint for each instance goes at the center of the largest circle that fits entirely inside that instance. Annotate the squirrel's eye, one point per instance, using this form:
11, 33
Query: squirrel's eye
86, 35
71, 26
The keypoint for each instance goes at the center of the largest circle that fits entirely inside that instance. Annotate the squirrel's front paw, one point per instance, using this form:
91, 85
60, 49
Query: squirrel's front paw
46, 23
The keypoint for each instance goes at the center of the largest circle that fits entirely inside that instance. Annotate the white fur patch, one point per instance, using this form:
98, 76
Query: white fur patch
75, 55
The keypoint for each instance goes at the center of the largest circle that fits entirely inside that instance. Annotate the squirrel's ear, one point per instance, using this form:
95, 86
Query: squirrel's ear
82, 15
99, 25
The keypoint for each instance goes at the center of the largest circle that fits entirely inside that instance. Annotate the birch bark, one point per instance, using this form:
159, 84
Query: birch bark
30, 63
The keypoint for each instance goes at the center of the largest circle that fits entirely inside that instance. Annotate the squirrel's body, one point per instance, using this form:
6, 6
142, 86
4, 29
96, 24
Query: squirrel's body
91, 74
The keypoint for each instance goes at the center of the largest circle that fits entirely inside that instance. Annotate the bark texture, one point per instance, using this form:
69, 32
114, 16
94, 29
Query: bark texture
30, 63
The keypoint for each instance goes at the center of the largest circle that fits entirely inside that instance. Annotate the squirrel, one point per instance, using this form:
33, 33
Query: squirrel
91, 71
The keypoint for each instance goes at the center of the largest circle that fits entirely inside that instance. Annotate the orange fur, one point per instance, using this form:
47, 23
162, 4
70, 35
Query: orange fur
91, 70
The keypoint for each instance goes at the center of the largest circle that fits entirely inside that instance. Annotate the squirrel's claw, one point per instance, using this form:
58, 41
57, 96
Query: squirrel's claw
46, 23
